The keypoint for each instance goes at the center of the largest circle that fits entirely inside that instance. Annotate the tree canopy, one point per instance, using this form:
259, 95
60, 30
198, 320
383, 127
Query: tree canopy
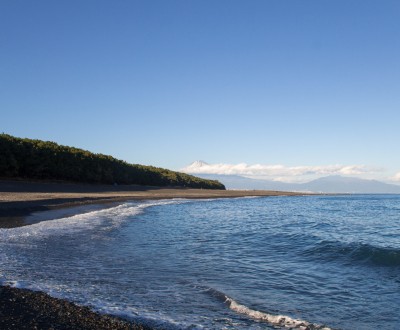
45, 160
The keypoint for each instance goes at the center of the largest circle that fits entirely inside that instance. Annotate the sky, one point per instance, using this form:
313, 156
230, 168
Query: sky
311, 85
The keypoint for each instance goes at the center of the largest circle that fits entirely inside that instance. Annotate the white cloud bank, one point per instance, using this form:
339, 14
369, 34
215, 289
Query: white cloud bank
396, 177
277, 172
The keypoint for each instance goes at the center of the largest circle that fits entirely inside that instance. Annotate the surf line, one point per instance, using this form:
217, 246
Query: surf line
277, 320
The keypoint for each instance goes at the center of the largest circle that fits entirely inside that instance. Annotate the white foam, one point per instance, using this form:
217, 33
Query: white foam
14, 284
277, 320
108, 218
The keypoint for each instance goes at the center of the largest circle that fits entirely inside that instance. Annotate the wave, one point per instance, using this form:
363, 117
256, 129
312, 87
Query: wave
105, 219
359, 252
283, 321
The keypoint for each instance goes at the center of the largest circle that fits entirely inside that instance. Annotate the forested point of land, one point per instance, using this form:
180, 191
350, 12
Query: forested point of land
45, 160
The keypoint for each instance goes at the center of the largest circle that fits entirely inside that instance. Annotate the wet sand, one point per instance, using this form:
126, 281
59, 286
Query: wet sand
25, 309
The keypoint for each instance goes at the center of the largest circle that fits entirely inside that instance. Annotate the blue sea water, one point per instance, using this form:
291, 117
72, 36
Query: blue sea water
322, 262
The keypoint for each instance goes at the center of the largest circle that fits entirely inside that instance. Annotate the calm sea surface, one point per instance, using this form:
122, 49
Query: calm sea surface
250, 263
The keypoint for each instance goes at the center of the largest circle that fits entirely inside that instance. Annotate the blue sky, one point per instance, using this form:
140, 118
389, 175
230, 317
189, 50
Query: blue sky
310, 84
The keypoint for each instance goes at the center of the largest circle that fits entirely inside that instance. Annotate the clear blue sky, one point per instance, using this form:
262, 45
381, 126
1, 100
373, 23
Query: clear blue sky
167, 82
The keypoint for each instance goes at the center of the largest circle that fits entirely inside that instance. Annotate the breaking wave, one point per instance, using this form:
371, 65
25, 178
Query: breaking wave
103, 220
274, 320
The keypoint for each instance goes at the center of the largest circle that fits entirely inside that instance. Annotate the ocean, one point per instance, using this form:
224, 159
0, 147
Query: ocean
322, 262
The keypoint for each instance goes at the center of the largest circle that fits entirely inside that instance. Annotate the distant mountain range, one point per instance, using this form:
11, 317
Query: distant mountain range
328, 184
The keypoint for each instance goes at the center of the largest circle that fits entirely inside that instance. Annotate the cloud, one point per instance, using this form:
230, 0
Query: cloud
396, 177
276, 172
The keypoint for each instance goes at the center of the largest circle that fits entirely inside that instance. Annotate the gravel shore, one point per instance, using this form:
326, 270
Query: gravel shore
26, 309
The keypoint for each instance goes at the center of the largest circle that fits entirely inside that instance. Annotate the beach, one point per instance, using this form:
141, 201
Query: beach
18, 199
26, 309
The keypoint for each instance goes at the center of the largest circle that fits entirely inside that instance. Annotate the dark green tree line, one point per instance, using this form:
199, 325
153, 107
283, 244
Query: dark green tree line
36, 159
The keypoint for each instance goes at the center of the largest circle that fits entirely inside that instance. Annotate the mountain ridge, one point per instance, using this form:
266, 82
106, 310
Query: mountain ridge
327, 184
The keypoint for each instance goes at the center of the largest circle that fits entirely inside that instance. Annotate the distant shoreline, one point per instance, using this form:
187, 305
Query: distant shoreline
19, 199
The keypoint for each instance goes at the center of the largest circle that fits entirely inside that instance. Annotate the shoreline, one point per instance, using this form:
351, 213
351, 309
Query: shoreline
19, 199
26, 309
